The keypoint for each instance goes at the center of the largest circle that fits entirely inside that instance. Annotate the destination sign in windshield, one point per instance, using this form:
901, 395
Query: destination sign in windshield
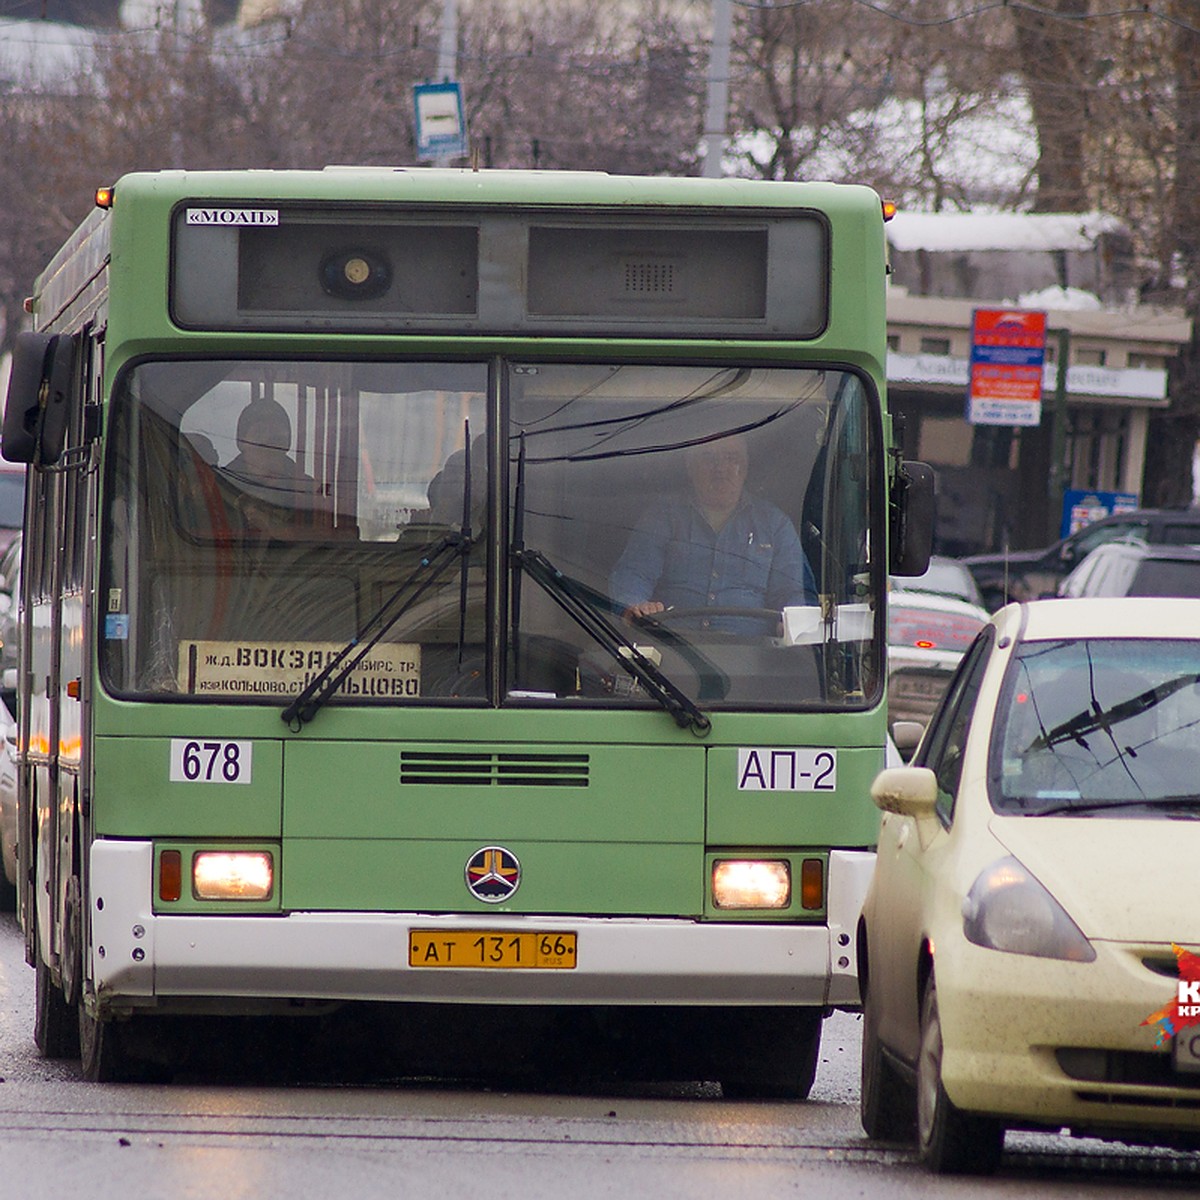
386, 672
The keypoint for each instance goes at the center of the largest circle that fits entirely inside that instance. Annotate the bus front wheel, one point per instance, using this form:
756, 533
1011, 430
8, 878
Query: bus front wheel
108, 1051
769, 1053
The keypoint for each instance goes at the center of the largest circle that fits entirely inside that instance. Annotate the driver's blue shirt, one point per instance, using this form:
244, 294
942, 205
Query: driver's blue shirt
754, 561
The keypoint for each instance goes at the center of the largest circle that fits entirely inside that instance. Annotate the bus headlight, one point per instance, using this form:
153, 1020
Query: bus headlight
232, 875
749, 883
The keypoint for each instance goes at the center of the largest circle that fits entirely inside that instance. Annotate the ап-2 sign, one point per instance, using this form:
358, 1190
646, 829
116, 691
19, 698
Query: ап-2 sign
776, 769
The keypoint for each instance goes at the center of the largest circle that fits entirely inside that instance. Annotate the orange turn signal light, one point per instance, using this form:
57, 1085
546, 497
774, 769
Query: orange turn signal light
170, 875
812, 883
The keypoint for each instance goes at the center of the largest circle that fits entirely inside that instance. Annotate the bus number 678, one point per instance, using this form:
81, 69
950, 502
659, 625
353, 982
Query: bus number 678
197, 760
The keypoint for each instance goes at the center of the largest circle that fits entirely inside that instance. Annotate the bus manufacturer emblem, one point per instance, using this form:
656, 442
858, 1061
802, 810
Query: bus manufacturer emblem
493, 874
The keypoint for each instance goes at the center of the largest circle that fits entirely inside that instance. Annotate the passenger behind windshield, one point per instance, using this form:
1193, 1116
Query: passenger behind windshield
719, 547
279, 499
448, 488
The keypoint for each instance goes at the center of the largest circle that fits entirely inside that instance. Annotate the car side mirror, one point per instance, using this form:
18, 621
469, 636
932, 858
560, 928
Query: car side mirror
38, 406
907, 735
912, 509
909, 791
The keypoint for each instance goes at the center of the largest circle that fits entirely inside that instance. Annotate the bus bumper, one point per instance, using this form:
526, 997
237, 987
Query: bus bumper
138, 957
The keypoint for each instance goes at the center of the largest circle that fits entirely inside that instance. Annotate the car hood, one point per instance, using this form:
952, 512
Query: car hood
1125, 879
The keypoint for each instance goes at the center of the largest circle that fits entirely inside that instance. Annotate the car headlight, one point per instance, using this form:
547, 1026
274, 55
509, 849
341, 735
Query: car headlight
1008, 909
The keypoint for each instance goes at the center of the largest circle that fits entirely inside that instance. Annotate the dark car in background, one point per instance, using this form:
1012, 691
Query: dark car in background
12, 502
8, 810
1135, 569
1030, 574
10, 571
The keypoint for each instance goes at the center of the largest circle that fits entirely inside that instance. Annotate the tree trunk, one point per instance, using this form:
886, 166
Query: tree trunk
1055, 56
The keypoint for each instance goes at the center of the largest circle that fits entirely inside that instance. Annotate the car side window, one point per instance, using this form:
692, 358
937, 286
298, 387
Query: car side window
1179, 535
1100, 534
944, 749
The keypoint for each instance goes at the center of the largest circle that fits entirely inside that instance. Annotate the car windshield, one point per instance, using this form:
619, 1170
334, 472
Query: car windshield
1092, 724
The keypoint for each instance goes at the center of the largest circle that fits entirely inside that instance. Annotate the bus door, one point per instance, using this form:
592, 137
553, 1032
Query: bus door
53, 658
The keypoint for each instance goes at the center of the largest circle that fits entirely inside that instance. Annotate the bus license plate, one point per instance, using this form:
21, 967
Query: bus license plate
483, 948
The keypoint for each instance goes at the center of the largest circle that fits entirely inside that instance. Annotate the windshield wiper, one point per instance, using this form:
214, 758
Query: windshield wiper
1090, 720
1089, 807
569, 594
327, 681
454, 544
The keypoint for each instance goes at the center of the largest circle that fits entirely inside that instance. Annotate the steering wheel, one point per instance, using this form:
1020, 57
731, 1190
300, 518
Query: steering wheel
673, 616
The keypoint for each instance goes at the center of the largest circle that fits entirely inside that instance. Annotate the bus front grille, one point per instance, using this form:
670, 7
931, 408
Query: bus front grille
494, 770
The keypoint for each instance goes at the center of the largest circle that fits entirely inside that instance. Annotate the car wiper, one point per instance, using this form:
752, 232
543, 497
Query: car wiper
569, 594
1090, 720
456, 543
1180, 803
327, 681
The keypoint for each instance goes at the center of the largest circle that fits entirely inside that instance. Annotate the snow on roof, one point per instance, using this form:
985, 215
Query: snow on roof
1060, 299
998, 231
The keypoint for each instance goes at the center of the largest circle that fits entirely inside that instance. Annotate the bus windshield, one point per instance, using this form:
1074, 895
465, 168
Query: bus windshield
622, 528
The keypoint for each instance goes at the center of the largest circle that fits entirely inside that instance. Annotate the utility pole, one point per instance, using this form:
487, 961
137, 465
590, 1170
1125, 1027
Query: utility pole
716, 114
1058, 434
447, 68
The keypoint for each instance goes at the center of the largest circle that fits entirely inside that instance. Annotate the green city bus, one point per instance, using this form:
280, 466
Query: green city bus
456, 588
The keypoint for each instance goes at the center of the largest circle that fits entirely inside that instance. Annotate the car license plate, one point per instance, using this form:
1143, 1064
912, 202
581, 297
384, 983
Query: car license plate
485, 948
1185, 1050
922, 686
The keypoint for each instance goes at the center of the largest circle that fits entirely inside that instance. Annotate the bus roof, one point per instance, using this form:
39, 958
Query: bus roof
498, 186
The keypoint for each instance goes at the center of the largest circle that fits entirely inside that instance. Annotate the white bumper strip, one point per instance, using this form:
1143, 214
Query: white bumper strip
364, 956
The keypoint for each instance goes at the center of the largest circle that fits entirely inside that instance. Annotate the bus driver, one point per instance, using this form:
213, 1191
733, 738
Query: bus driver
720, 547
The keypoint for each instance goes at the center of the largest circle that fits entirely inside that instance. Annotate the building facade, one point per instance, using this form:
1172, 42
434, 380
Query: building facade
996, 484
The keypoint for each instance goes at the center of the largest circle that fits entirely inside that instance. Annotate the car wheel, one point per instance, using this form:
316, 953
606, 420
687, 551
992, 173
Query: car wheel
112, 1051
72, 937
100, 1050
887, 1102
950, 1141
55, 1031
769, 1055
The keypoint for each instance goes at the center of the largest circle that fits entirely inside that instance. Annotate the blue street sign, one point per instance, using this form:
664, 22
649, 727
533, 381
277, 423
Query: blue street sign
1081, 508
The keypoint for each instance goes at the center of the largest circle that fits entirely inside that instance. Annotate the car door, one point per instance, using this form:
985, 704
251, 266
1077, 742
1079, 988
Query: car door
908, 857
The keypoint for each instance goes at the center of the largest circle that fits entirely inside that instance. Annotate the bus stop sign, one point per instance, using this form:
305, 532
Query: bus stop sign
441, 127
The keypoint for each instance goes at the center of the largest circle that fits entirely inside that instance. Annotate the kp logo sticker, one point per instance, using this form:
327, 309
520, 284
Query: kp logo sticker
493, 874
1184, 1010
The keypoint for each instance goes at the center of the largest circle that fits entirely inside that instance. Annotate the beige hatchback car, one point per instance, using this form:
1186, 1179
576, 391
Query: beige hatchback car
1022, 950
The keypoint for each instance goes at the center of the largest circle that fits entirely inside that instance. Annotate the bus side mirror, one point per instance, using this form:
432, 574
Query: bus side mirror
39, 393
912, 519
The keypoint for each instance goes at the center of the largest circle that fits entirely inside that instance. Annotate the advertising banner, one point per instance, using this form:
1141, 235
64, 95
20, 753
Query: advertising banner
1008, 350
